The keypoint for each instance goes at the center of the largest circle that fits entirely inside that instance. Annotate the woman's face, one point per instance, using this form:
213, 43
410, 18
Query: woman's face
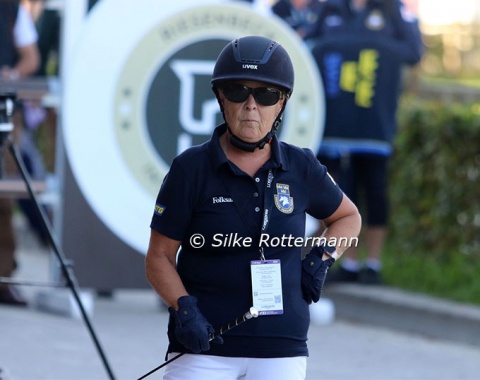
249, 120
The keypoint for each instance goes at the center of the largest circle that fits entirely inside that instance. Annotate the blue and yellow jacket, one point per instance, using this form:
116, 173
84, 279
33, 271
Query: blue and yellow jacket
361, 55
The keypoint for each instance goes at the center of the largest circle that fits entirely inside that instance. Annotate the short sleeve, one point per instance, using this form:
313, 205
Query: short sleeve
324, 194
173, 207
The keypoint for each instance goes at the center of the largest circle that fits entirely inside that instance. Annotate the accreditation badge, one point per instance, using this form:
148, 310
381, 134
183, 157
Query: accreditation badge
267, 286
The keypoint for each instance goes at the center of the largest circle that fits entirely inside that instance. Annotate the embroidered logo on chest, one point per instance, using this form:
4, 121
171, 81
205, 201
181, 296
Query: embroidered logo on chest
221, 200
283, 200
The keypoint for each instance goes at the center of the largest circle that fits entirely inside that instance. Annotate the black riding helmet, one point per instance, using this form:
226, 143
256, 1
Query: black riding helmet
258, 59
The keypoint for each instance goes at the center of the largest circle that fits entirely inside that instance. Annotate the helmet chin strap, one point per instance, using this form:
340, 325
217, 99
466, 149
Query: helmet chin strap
250, 147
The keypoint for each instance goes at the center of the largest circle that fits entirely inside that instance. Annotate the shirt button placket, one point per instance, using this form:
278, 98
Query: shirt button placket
257, 180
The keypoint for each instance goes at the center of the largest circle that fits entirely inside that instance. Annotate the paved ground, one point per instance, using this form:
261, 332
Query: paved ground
37, 345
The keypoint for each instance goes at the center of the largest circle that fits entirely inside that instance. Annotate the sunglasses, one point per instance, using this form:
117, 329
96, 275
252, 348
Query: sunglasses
265, 96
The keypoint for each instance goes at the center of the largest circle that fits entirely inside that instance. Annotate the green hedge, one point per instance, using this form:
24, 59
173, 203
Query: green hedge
434, 239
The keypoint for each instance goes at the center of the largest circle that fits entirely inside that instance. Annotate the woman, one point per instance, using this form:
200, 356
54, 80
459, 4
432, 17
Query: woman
233, 205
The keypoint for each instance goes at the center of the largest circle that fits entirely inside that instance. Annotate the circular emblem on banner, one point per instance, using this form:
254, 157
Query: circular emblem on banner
130, 108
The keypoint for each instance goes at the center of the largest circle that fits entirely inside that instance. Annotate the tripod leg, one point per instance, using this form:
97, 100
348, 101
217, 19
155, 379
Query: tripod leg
66, 269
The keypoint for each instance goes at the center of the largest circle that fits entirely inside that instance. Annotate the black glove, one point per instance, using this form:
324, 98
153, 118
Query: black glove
192, 330
314, 272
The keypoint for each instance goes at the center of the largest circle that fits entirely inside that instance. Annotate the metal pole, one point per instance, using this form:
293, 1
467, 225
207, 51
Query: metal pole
66, 270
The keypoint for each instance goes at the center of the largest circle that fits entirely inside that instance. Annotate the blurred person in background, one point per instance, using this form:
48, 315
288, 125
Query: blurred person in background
19, 58
301, 15
38, 141
362, 50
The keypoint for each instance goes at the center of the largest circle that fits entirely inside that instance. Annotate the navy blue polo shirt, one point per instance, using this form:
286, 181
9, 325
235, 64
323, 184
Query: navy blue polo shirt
204, 193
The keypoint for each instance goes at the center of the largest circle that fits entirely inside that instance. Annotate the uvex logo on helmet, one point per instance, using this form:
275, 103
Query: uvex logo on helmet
251, 67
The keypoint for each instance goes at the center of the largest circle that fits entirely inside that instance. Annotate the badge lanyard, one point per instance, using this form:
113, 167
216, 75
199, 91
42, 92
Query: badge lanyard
266, 274
267, 207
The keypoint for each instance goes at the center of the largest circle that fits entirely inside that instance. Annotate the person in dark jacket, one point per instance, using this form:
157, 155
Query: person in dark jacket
362, 50
19, 58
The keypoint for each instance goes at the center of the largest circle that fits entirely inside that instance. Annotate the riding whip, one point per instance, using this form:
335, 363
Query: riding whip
251, 313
